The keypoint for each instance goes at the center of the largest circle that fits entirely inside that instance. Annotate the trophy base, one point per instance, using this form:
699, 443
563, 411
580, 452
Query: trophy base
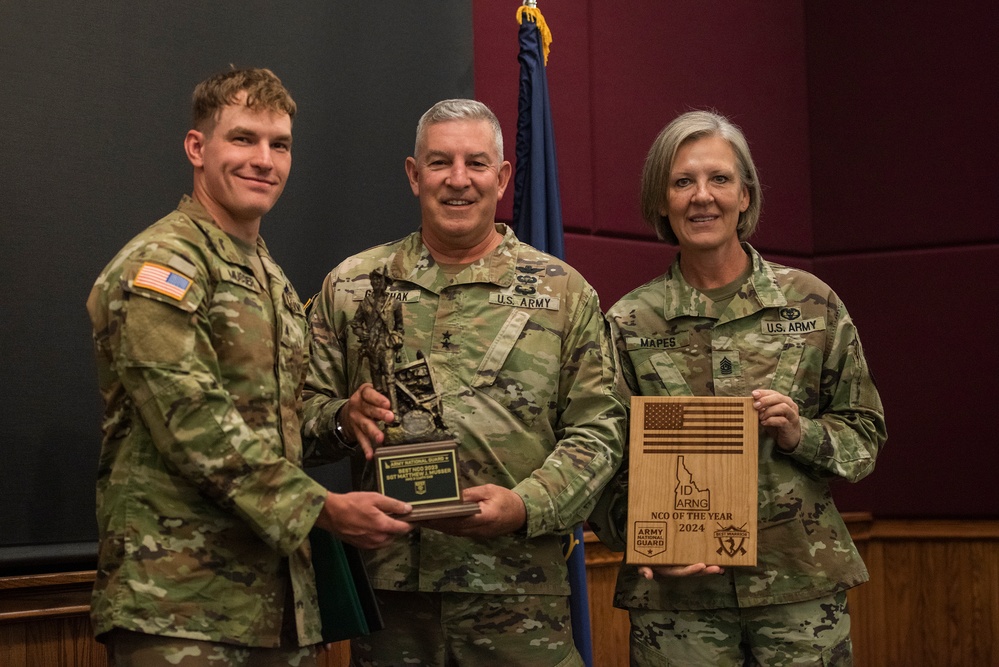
441, 511
425, 475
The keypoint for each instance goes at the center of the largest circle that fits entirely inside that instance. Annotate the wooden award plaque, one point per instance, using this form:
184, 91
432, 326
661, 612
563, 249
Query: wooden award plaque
692, 489
425, 475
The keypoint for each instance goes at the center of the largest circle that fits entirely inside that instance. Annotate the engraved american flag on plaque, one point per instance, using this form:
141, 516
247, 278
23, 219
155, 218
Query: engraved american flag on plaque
692, 491
694, 427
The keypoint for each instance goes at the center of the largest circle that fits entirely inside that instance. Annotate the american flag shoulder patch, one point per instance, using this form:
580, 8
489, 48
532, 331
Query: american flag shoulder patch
163, 280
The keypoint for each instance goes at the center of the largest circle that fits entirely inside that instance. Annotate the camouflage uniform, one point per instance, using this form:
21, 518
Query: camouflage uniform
673, 343
202, 506
524, 364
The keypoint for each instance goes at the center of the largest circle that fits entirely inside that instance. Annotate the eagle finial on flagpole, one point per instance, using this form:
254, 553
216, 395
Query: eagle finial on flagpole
530, 3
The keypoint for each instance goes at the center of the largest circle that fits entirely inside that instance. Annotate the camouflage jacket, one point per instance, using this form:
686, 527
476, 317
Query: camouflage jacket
202, 506
524, 363
784, 330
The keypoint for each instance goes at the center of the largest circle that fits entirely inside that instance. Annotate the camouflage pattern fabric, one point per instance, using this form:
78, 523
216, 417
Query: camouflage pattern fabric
202, 506
523, 360
783, 330
814, 632
131, 649
465, 629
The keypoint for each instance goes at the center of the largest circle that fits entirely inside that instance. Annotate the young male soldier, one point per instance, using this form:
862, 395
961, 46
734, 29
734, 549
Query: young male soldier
202, 350
519, 349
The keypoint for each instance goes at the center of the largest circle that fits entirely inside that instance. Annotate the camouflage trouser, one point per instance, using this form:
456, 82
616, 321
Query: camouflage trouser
448, 629
134, 649
816, 632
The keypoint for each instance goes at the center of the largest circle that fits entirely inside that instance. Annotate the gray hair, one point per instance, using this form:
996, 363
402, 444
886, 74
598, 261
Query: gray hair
688, 127
458, 109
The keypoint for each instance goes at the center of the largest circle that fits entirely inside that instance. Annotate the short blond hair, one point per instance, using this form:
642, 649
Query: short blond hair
263, 91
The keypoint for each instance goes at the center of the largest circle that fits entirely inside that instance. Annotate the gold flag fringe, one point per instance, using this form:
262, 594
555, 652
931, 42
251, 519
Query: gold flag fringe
534, 15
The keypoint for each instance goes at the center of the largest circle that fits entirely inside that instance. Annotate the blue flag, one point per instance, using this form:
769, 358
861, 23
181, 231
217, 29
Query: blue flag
537, 220
537, 210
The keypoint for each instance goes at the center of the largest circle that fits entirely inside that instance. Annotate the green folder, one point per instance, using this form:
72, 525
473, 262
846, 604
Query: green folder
347, 604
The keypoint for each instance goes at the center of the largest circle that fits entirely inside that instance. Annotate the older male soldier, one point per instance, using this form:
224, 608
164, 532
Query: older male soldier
202, 349
518, 346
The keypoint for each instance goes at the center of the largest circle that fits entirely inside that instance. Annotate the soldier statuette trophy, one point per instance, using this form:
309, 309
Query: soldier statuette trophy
418, 461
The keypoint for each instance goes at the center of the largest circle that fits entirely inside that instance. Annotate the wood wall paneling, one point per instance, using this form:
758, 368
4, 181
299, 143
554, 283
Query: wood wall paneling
609, 626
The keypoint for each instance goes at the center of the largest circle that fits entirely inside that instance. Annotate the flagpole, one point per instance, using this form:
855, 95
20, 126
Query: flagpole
537, 219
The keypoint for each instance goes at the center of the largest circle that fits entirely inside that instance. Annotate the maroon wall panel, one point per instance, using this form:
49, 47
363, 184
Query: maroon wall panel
618, 74
850, 109
653, 60
902, 104
497, 76
904, 101
615, 266
921, 319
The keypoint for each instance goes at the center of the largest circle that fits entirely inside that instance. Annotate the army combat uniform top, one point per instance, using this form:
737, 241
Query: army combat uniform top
524, 364
783, 330
202, 506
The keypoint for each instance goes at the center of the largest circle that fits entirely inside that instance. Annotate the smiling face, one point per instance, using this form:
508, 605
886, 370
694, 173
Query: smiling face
459, 178
705, 195
241, 165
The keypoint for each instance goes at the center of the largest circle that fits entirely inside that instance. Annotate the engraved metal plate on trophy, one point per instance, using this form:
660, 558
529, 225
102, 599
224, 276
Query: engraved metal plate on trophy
418, 462
693, 478
425, 475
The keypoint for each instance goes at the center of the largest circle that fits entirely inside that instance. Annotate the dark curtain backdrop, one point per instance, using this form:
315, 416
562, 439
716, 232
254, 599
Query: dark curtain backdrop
95, 105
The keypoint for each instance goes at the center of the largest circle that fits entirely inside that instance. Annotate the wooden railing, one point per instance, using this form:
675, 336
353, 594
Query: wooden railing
933, 597
44, 621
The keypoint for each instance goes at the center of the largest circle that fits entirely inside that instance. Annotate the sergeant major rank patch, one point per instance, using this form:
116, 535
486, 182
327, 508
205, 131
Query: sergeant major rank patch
159, 278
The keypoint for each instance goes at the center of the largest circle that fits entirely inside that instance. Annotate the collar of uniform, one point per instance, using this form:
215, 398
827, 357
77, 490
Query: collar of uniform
764, 281
413, 263
682, 300
220, 241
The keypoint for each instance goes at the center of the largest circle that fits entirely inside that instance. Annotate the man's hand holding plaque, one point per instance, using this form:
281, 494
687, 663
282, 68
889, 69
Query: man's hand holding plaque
502, 512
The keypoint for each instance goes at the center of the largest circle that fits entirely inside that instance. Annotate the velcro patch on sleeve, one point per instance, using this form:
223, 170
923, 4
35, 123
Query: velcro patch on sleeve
163, 280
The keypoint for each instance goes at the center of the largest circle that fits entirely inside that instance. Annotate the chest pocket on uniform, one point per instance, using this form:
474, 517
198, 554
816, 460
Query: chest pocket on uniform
520, 369
658, 375
294, 332
241, 318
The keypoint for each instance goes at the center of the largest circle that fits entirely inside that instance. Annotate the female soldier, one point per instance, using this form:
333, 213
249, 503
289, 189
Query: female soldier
819, 412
